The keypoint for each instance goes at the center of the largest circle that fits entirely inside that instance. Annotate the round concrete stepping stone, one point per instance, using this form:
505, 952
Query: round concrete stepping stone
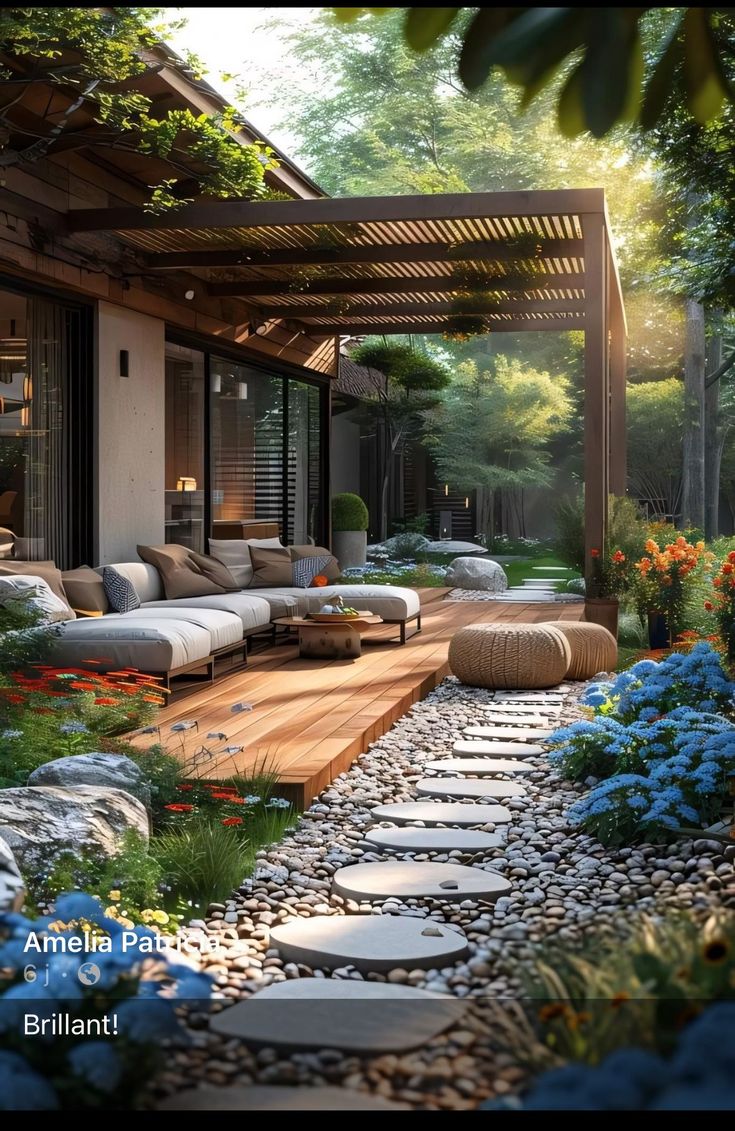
479, 766
553, 697
500, 719
513, 734
525, 711
408, 879
368, 942
442, 813
525, 596
407, 838
330, 1013
469, 787
477, 748
265, 1097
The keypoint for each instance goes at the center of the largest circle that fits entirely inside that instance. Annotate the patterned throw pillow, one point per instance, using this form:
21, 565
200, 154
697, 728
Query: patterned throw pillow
119, 591
305, 569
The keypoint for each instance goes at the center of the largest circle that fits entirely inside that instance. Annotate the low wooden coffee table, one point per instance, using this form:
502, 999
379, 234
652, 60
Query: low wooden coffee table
324, 640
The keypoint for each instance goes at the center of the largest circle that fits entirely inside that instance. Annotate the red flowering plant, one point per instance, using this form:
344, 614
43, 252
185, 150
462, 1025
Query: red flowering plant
611, 574
722, 603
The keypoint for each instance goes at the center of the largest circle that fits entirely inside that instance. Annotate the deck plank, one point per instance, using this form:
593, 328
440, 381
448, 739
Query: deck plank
311, 719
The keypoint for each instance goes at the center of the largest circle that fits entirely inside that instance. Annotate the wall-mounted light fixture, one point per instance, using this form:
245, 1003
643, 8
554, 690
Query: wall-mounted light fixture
467, 503
189, 295
446, 488
215, 383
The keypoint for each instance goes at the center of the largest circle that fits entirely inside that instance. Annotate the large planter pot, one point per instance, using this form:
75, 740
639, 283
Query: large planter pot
604, 611
350, 548
658, 630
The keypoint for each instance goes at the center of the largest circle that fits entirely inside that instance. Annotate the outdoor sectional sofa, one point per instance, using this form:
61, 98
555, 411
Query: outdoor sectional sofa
207, 634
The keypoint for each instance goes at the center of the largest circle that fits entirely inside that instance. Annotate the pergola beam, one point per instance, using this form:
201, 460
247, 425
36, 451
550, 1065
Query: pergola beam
342, 210
469, 306
318, 256
434, 326
596, 392
396, 285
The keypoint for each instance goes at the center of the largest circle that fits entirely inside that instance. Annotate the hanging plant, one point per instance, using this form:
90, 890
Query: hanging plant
462, 327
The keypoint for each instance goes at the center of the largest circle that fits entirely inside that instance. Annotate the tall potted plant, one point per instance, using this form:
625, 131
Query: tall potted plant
349, 530
664, 578
609, 581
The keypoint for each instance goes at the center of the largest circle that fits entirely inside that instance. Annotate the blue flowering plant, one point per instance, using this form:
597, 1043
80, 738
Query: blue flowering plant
102, 1002
648, 689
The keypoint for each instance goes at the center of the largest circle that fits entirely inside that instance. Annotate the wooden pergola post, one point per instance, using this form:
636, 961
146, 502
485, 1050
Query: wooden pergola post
596, 387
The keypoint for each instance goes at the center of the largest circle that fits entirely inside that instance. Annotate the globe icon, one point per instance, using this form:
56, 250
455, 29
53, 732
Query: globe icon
89, 974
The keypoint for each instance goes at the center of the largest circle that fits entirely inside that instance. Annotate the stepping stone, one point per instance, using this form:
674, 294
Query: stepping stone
410, 839
552, 698
264, 1097
498, 719
330, 1013
479, 766
442, 813
526, 596
528, 711
369, 942
469, 787
552, 569
513, 734
476, 748
408, 879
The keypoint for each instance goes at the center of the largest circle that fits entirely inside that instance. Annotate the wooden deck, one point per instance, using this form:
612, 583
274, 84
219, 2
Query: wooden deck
310, 720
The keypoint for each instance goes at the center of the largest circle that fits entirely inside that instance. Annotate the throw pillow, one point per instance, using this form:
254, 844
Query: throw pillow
120, 592
234, 553
272, 567
47, 570
306, 569
181, 576
26, 590
216, 571
331, 570
85, 591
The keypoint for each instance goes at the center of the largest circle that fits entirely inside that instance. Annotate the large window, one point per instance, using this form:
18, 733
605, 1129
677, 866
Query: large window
256, 455
45, 430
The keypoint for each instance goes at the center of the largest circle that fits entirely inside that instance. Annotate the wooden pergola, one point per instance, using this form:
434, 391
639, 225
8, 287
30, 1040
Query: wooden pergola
500, 262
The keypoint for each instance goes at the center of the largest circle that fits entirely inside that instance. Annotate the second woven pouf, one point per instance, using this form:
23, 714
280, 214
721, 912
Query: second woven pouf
520, 656
593, 648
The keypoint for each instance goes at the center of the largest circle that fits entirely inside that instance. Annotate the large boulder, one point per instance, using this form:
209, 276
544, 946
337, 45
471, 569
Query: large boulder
476, 573
12, 888
39, 822
106, 771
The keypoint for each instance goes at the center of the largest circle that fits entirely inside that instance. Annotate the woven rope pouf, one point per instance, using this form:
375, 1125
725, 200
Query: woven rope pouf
593, 648
521, 656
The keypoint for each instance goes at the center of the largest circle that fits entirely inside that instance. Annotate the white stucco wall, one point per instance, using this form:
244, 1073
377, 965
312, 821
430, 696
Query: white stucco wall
130, 446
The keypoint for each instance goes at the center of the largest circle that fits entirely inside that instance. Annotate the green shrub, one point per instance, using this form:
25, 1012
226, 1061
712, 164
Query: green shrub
202, 860
349, 512
627, 530
569, 541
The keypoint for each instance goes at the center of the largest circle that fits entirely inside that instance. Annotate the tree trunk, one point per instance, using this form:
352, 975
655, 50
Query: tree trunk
692, 502
712, 441
485, 503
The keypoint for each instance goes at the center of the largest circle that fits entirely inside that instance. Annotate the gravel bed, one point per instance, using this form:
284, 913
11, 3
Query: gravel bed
566, 887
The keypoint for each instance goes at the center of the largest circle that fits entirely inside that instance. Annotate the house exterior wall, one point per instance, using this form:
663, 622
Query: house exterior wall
130, 441
345, 455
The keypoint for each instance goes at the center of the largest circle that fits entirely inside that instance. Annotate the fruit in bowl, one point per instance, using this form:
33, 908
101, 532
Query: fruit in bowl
337, 610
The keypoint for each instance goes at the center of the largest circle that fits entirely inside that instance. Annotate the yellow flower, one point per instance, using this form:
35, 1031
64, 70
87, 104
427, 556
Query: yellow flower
160, 917
115, 894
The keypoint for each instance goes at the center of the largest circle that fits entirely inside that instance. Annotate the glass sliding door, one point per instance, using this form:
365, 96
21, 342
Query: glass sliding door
305, 472
185, 447
46, 416
247, 445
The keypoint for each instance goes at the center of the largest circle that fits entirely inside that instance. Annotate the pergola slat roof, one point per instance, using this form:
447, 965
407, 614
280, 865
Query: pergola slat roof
507, 262
379, 265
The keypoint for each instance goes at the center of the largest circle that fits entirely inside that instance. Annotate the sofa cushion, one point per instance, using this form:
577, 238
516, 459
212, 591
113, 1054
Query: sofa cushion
235, 554
124, 640
216, 571
331, 570
145, 578
304, 570
35, 593
388, 601
284, 601
271, 566
85, 591
253, 611
224, 628
180, 575
119, 591
47, 570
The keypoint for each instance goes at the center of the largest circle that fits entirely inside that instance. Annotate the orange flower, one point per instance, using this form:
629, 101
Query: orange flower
106, 702
618, 556
728, 567
228, 821
594, 553
179, 807
78, 685
185, 788
731, 556
319, 581
651, 547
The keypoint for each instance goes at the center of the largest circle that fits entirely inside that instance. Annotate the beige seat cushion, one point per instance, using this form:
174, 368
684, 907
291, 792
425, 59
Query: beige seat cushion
392, 602
593, 648
85, 591
253, 611
47, 570
122, 640
224, 628
519, 656
284, 601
